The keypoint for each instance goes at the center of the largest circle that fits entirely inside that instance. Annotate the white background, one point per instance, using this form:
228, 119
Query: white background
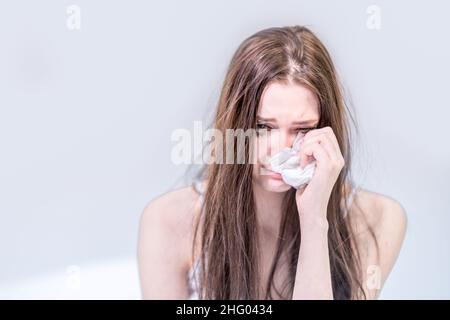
86, 118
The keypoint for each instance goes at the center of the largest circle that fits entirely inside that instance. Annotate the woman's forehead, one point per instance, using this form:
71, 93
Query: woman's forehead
295, 101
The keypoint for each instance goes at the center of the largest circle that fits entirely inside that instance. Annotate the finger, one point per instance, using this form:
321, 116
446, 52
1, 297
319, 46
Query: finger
305, 154
329, 145
336, 159
305, 160
317, 151
333, 137
325, 130
330, 134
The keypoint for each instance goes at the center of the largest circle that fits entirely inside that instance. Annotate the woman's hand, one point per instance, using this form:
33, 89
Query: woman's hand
312, 200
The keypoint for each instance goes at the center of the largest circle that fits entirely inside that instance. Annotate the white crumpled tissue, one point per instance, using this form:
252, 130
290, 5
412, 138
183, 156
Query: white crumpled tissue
287, 163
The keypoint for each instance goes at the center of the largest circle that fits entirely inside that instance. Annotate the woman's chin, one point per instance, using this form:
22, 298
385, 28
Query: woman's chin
275, 184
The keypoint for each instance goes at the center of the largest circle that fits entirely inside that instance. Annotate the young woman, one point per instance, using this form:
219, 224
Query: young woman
240, 232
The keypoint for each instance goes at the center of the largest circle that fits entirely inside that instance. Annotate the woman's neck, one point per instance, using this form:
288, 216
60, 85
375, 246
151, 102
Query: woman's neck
268, 206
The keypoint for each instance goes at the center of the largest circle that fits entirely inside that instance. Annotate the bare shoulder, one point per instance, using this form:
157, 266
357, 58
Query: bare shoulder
165, 244
380, 211
173, 208
379, 223
175, 212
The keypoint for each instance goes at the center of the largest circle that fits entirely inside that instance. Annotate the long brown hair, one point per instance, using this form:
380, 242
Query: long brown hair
229, 246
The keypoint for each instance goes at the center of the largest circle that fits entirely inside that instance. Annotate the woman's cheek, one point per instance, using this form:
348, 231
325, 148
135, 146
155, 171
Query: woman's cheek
258, 157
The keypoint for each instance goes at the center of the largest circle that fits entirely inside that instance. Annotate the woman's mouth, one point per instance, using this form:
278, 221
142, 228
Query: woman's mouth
272, 174
275, 175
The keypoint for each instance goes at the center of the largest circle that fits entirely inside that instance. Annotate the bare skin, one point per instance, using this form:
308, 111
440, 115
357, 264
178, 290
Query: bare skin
166, 233
166, 228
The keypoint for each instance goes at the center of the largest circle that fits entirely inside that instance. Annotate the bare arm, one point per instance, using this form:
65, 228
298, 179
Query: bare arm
313, 276
390, 230
162, 266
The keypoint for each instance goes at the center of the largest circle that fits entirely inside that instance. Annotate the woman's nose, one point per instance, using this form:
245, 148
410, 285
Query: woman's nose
283, 140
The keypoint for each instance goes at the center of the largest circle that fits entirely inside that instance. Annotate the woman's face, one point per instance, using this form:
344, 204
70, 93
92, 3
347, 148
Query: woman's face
285, 109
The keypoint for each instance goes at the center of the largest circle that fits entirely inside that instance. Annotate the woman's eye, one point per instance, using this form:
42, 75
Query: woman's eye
263, 126
305, 130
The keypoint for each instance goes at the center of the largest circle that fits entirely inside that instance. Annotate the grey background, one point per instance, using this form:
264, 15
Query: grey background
86, 118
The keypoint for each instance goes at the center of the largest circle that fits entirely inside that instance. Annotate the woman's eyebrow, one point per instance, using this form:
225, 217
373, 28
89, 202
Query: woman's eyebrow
306, 121
311, 121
